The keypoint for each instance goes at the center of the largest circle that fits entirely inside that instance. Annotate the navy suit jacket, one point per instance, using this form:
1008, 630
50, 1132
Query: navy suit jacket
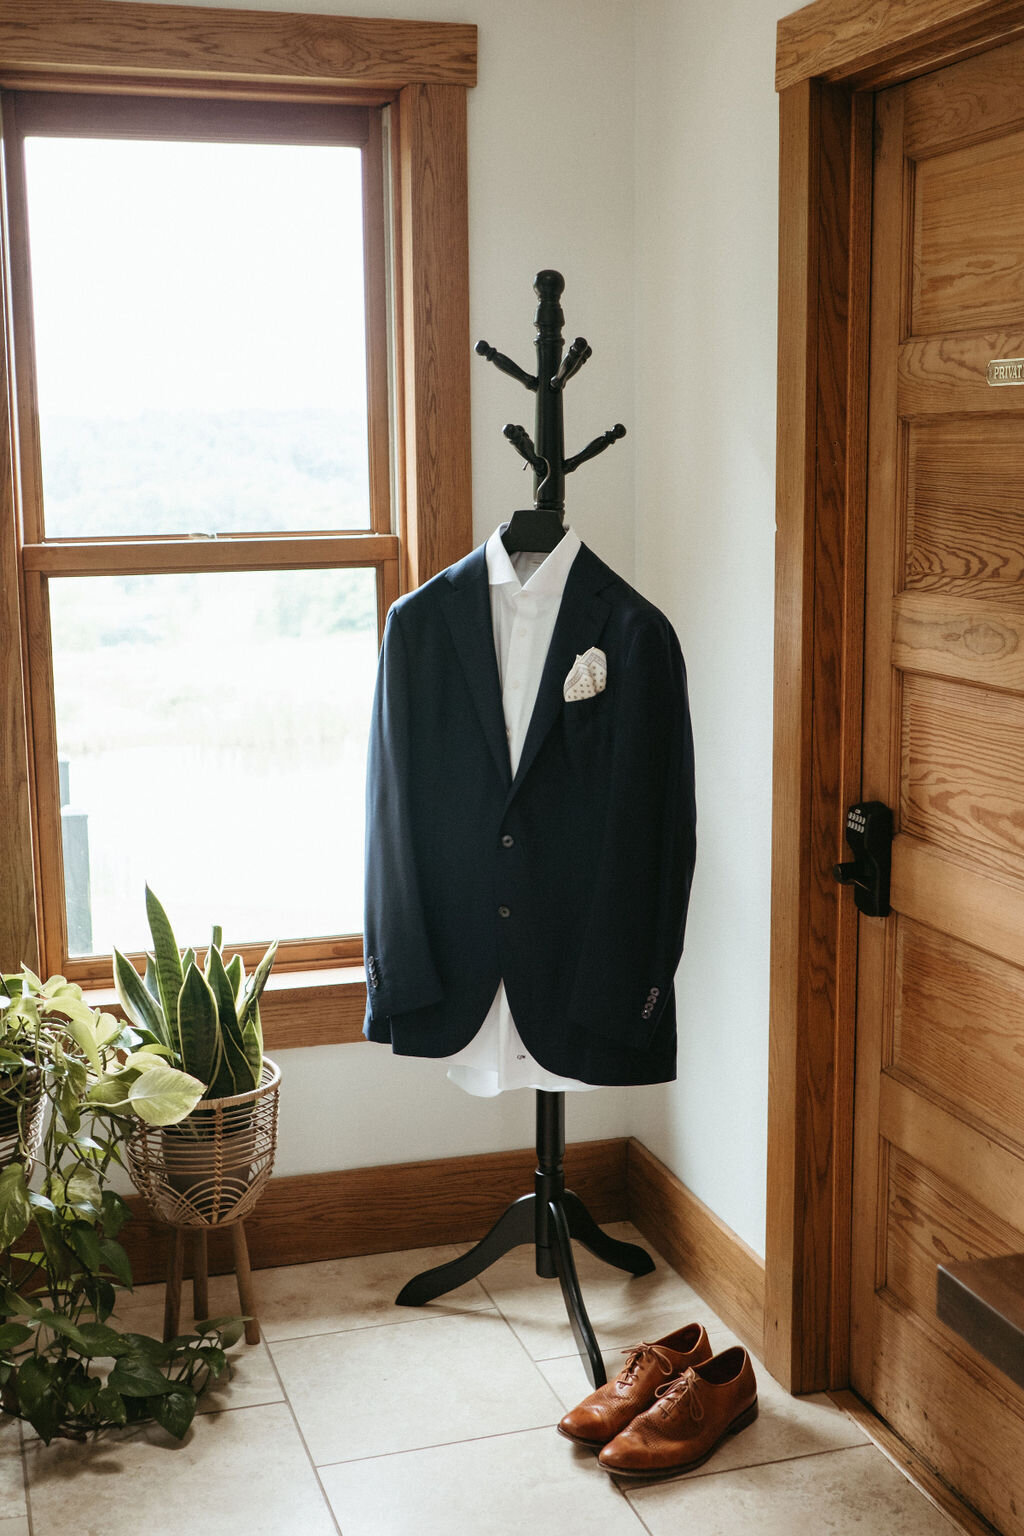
570, 881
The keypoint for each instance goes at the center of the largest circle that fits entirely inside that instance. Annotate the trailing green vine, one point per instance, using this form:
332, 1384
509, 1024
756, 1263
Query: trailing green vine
71, 1082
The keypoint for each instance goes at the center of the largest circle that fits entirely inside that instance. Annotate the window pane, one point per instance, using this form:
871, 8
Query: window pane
200, 336
213, 729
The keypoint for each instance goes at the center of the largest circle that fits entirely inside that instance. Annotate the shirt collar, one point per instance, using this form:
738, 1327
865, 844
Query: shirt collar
548, 580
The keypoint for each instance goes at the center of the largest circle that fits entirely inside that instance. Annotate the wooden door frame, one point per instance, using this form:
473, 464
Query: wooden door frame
831, 57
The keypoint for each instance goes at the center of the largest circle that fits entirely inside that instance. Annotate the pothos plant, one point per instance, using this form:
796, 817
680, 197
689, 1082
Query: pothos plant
64, 1366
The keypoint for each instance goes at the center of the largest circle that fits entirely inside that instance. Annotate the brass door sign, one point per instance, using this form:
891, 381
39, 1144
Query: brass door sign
1006, 370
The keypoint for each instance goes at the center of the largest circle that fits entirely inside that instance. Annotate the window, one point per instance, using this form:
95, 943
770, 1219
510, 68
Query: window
214, 498
201, 416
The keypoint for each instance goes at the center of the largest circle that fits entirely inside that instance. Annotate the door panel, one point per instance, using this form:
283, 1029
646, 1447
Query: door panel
953, 899
968, 239
928, 1221
939, 1132
945, 636
942, 373
968, 1158
961, 785
965, 532
928, 1389
962, 1045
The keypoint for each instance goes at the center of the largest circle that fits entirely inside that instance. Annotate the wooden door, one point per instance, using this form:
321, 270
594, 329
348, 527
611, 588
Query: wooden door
939, 1137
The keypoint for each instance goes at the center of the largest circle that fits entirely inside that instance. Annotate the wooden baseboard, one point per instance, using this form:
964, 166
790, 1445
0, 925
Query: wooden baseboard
923, 1477
728, 1275
381, 1210
457, 1199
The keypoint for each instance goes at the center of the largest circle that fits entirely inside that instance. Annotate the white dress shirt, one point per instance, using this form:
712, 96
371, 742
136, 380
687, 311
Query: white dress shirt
526, 593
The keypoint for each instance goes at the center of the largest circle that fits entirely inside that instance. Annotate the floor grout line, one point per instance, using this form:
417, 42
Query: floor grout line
536, 1359
24, 1479
638, 1515
512, 1329
437, 1445
463, 1440
305, 1446
747, 1466
397, 1322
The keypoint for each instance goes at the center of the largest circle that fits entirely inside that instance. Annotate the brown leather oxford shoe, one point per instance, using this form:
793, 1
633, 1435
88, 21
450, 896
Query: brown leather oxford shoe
687, 1419
601, 1416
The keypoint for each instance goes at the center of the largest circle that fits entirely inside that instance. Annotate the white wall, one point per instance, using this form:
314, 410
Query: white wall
654, 192
550, 185
706, 265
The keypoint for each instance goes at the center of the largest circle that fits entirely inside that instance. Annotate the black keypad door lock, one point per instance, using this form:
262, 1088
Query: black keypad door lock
869, 834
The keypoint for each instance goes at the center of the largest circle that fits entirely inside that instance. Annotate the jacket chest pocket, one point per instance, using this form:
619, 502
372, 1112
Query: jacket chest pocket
580, 711
585, 723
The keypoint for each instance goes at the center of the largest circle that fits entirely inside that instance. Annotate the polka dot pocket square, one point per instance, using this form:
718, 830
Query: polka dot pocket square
588, 676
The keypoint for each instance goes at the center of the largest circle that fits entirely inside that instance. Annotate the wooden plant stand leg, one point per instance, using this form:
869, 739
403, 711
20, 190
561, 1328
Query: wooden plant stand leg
200, 1274
243, 1276
172, 1296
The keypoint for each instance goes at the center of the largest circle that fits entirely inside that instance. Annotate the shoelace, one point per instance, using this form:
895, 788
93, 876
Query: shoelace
674, 1394
635, 1355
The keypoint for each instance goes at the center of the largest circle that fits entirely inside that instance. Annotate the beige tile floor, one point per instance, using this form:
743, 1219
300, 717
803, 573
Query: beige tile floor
358, 1417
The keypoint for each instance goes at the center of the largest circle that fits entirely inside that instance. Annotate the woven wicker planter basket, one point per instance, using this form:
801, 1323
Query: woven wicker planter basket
210, 1170
13, 1147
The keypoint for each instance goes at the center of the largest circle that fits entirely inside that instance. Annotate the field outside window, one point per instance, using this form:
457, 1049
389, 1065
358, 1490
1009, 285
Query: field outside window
207, 530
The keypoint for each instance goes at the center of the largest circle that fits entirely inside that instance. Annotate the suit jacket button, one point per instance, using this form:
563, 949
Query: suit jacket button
504, 912
507, 840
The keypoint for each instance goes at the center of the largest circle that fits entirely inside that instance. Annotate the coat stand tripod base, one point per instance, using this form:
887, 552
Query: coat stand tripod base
549, 1218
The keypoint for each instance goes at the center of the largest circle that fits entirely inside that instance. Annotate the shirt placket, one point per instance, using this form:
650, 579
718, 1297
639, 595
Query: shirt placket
516, 690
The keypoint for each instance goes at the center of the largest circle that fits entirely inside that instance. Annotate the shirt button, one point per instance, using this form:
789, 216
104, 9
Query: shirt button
507, 840
504, 912
515, 684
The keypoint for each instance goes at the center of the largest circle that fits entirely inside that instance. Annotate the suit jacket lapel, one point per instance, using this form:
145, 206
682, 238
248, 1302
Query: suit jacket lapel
581, 617
467, 609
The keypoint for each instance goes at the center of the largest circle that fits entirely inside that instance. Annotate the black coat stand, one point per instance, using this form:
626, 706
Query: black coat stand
552, 1215
549, 1218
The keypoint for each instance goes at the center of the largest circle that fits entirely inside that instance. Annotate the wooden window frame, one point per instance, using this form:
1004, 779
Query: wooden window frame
831, 57
421, 71
74, 115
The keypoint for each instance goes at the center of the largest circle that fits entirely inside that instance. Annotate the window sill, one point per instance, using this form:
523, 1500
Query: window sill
298, 1008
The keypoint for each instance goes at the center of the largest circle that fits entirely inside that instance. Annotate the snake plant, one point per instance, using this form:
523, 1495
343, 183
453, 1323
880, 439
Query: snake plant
207, 1020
